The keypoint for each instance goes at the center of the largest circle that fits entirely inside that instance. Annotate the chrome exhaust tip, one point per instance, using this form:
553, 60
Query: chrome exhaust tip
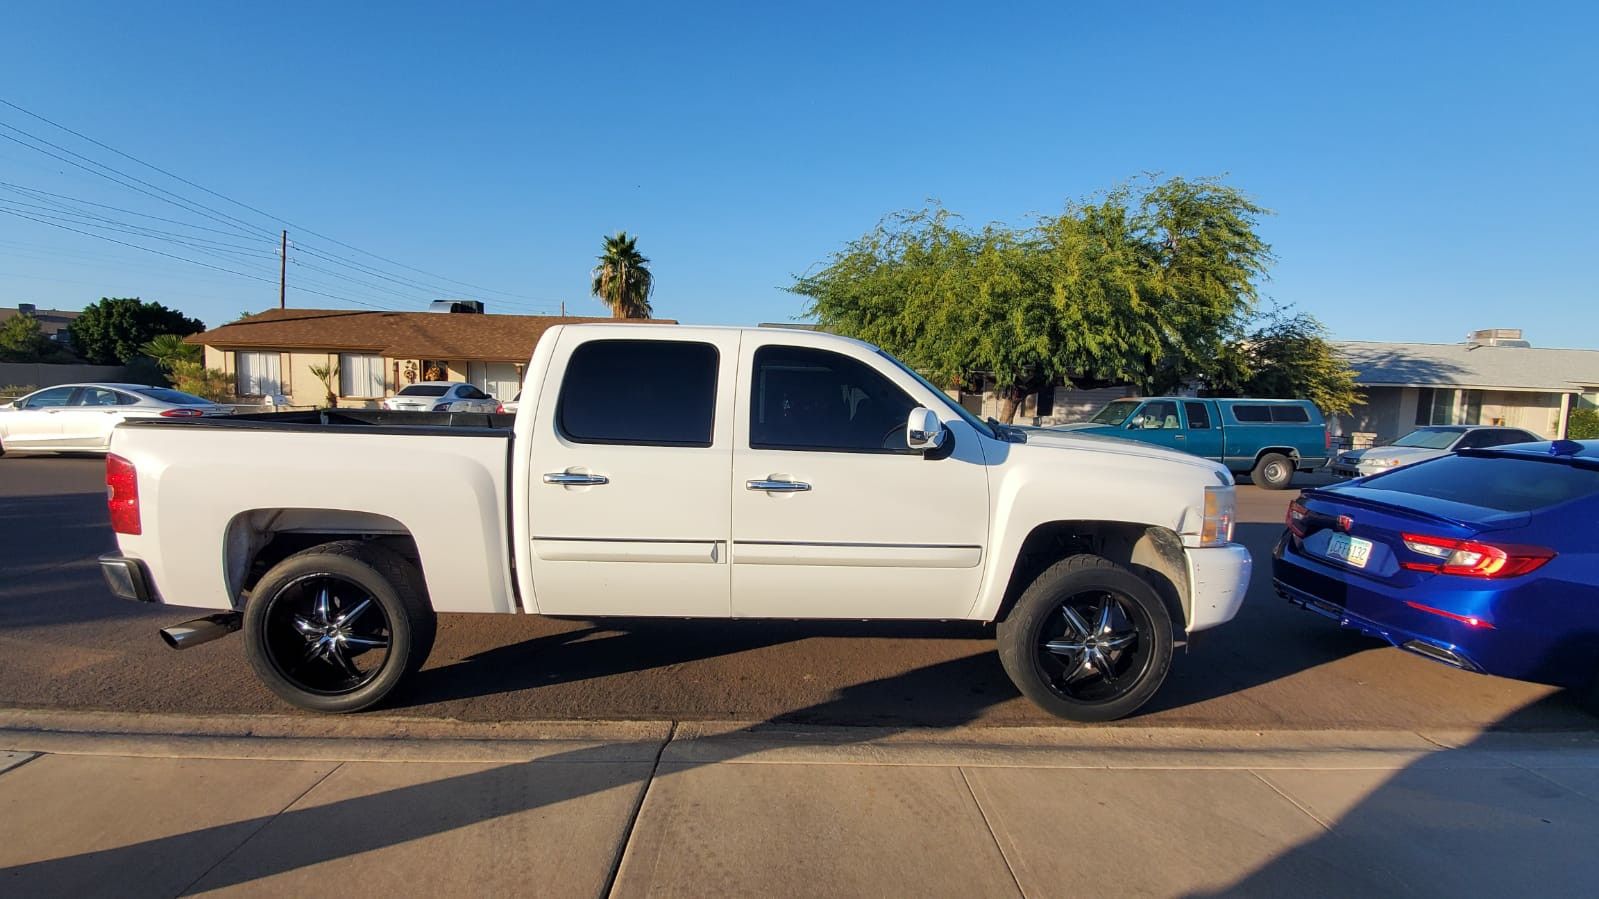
1439, 654
201, 630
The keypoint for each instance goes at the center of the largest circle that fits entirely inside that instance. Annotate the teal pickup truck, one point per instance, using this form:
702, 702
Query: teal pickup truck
1267, 439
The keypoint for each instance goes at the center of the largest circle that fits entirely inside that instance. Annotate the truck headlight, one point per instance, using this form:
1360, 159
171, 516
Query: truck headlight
1221, 508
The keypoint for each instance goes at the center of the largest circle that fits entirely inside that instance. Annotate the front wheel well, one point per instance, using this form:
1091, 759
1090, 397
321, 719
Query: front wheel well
1152, 552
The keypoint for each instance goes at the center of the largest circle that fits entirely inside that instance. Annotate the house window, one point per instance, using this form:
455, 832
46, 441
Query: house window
360, 375
258, 374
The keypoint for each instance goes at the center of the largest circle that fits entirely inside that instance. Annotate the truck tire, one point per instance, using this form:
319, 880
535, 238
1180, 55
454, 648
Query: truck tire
1087, 641
1274, 471
336, 627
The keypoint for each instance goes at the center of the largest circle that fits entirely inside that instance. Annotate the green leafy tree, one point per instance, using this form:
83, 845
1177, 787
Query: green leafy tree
168, 349
622, 280
1288, 355
195, 378
22, 340
1142, 285
114, 330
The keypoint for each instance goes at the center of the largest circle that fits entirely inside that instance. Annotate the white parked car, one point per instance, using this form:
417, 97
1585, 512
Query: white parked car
515, 404
79, 417
441, 396
1426, 443
677, 472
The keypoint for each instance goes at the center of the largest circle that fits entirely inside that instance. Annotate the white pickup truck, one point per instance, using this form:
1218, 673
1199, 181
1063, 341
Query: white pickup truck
675, 471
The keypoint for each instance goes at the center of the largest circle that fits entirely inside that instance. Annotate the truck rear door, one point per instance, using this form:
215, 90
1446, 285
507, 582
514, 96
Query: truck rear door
629, 490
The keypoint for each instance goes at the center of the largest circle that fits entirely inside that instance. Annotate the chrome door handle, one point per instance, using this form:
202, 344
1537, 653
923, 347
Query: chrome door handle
568, 479
777, 486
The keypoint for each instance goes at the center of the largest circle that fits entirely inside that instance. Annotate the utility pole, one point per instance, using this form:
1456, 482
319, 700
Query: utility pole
283, 270
563, 309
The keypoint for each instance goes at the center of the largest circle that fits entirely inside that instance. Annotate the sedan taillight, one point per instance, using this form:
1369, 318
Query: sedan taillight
122, 495
1470, 558
1295, 519
181, 413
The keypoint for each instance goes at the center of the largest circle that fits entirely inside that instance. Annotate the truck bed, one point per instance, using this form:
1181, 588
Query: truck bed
367, 420
213, 488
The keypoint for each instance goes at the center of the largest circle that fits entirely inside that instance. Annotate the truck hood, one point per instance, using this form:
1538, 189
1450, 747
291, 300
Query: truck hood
1087, 441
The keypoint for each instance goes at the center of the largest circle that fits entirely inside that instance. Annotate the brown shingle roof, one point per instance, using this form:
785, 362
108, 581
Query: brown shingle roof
405, 335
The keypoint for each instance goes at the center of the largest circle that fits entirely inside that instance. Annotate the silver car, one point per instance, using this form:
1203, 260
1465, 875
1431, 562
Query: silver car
1426, 443
79, 417
441, 396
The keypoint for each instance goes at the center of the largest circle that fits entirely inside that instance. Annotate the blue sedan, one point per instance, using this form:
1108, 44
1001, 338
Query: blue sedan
1487, 560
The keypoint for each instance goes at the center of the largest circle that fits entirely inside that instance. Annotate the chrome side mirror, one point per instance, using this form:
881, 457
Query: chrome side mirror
1137, 422
923, 430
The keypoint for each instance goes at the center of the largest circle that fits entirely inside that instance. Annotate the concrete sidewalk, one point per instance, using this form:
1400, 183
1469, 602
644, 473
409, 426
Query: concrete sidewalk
115, 805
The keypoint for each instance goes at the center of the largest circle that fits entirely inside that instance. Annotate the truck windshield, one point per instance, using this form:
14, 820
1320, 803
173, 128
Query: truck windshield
424, 390
1429, 438
977, 423
1115, 413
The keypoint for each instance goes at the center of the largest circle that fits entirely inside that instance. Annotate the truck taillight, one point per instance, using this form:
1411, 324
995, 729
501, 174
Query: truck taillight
181, 413
122, 494
1473, 559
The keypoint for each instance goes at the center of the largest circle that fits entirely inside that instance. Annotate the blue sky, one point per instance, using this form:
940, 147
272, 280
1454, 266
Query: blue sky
1431, 168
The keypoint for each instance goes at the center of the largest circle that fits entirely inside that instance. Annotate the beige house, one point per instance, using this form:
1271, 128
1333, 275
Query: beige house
1494, 378
375, 354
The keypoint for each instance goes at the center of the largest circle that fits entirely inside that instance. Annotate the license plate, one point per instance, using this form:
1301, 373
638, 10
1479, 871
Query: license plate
1350, 550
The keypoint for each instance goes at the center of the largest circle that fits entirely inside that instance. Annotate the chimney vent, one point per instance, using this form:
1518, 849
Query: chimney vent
1498, 337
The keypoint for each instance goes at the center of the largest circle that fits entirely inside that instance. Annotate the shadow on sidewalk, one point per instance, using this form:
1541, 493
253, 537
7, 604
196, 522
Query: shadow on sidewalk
397, 816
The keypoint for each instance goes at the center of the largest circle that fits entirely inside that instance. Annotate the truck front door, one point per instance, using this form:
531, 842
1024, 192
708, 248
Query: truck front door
833, 517
1203, 434
628, 492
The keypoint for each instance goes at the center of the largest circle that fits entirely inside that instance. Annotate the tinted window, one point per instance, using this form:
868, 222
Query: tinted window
1160, 415
1252, 414
1296, 414
817, 400
1481, 439
424, 390
1507, 485
95, 396
646, 392
1198, 416
44, 399
175, 397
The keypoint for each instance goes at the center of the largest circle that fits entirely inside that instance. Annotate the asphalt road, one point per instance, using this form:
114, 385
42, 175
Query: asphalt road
66, 643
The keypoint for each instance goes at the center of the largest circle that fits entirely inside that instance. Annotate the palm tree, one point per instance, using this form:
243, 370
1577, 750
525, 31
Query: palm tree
622, 280
169, 349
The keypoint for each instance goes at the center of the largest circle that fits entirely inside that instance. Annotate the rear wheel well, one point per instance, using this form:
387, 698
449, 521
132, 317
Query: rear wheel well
260, 539
1290, 452
1153, 553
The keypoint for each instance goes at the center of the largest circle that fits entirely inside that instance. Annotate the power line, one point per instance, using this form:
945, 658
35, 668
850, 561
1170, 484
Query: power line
247, 206
99, 221
36, 193
186, 259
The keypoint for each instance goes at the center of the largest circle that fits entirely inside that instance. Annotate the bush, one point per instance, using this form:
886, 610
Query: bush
192, 377
1583, 424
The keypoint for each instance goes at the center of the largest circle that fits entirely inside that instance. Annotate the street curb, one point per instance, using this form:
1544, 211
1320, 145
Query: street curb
388, 739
